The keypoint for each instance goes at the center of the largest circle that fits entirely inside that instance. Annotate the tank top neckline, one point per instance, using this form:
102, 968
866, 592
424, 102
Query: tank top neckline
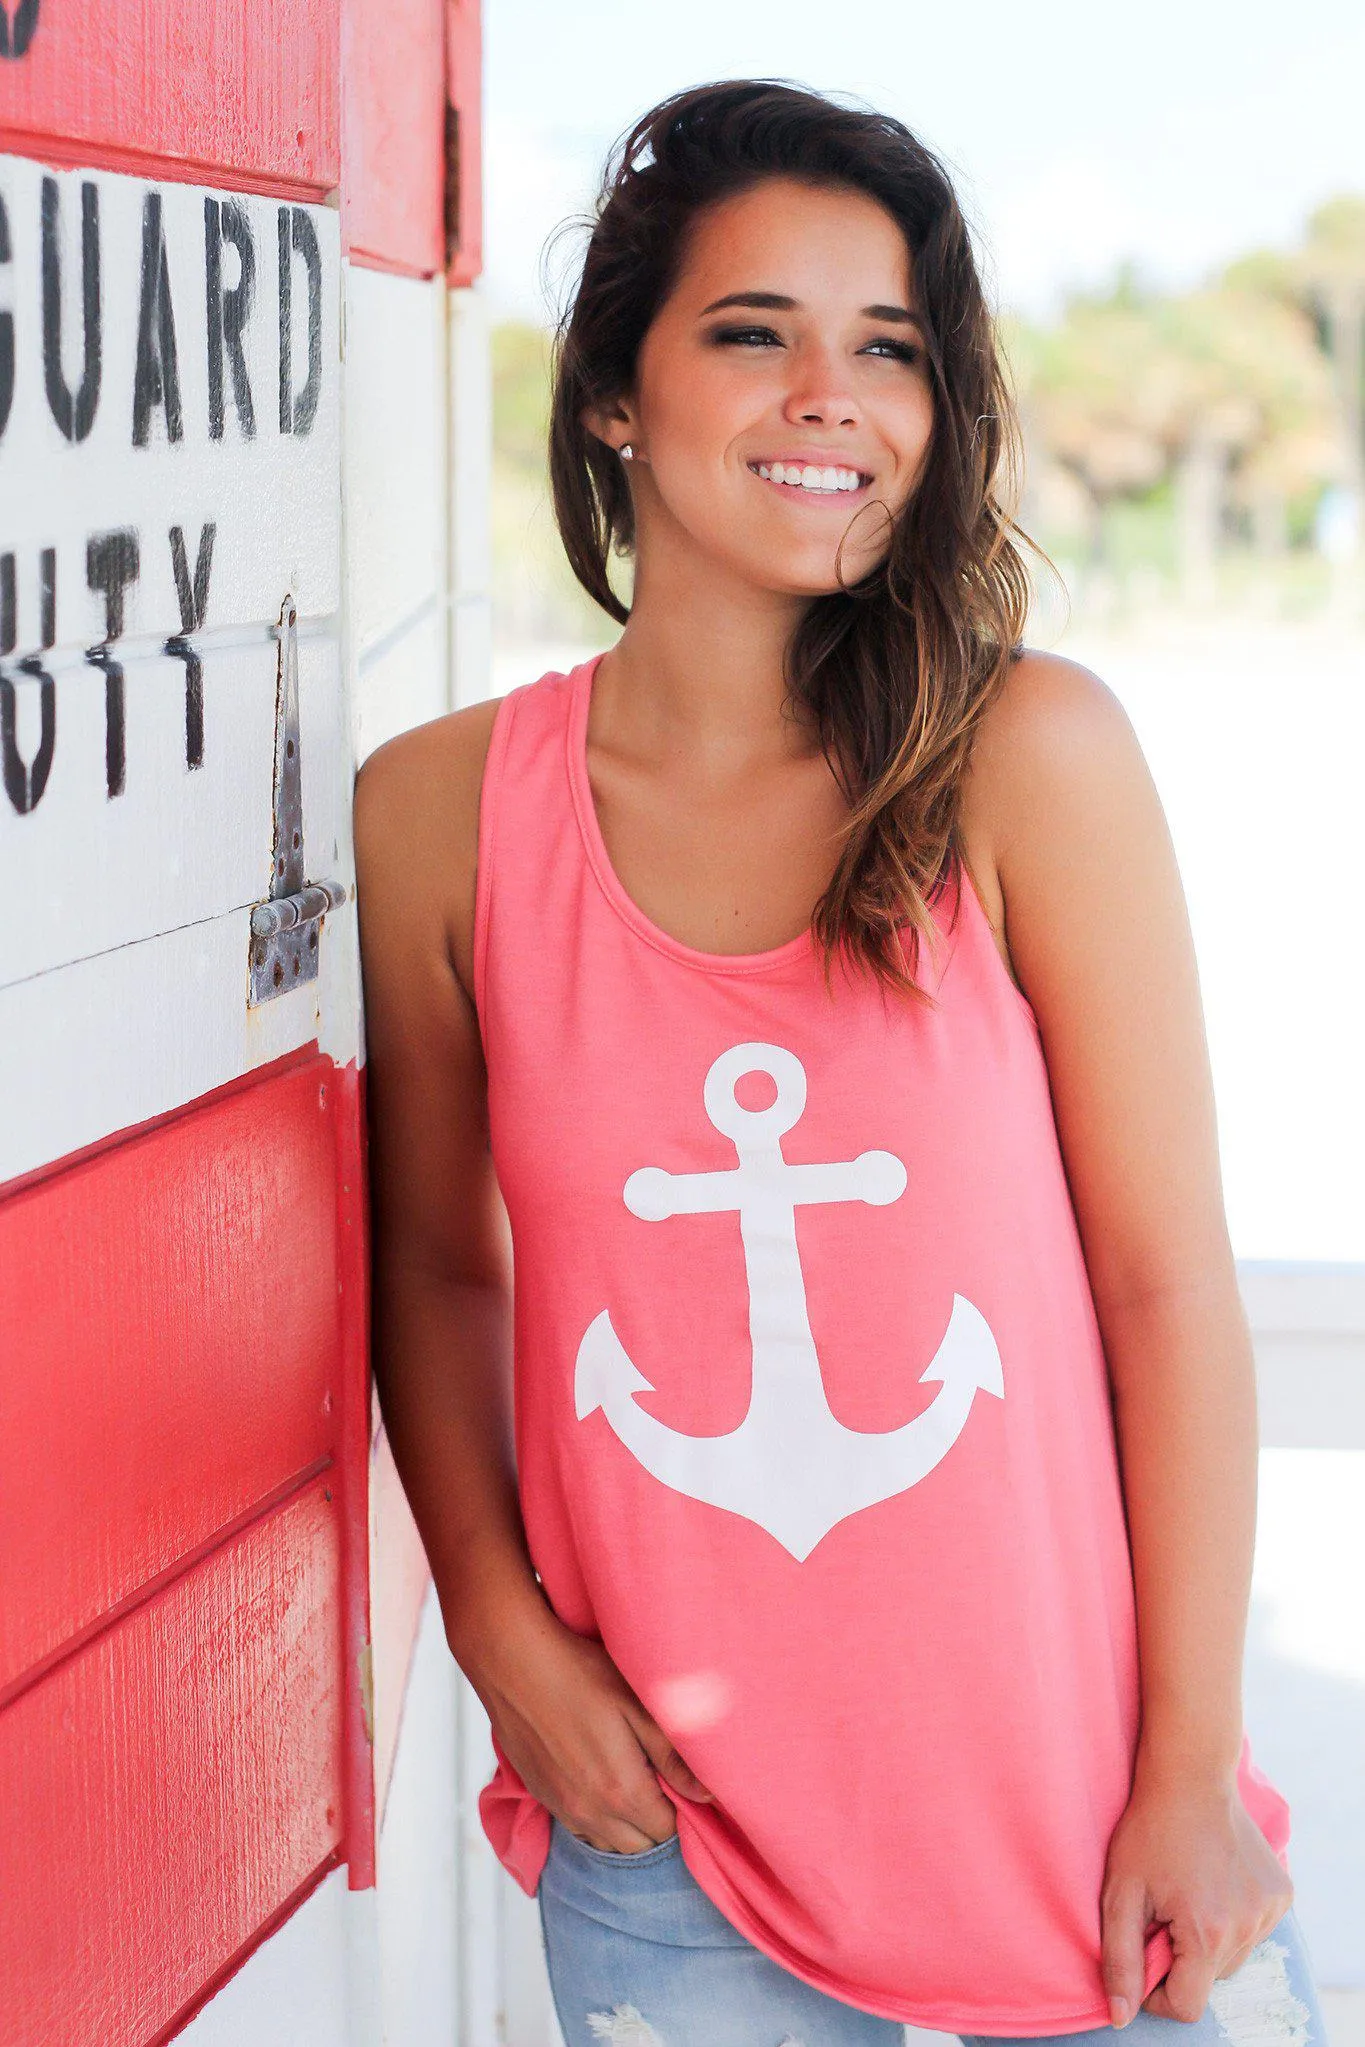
595, 848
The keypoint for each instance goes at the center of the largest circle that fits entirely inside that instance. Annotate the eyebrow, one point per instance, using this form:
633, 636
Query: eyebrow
777, 302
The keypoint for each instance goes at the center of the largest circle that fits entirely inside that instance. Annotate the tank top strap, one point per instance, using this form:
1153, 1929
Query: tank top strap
527, 831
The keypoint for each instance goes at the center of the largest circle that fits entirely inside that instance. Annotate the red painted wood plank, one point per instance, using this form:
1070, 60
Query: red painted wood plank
170, 1308
204, 90
393, 134
169, 1788
399, 1575
464, 64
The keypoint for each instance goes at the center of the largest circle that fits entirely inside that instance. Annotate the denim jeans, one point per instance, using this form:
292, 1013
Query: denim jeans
638, 1956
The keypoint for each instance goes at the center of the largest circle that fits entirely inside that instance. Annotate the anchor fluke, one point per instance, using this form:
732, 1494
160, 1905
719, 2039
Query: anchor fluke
968, 1355
604, 1374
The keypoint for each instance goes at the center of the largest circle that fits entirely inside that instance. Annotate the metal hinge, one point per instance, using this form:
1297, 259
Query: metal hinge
285, 928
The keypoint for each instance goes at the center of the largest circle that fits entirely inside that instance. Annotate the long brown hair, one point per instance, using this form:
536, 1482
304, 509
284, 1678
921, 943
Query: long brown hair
898, 668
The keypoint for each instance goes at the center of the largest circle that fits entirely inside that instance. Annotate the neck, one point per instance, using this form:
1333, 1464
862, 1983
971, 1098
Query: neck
699, 666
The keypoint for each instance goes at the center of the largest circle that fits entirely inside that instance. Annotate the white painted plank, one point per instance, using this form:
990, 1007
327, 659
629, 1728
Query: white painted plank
395, 486
418, 1852
481, 1878
92, 1048
86, 871
471, 651
271, 497
294, 1991
404, 686
471, 445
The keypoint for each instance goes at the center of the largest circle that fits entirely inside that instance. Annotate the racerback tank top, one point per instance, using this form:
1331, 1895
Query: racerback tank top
813, 1422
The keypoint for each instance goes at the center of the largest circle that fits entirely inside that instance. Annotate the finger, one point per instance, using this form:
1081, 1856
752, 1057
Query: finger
1123, 1918
613, 1836
668, 1762
1236, 1959
1188, 1983
683, 1779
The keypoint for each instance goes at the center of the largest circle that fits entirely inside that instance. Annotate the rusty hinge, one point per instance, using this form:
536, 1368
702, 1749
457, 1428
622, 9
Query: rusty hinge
285, 927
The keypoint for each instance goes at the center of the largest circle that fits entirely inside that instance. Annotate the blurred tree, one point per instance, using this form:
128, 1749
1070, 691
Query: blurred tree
1326, 277
1332, 270
1250, 417
1223, 391
1090, 400
536, 597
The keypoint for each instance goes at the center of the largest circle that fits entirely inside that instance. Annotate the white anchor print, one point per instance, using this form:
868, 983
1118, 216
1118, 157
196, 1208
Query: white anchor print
790, 1466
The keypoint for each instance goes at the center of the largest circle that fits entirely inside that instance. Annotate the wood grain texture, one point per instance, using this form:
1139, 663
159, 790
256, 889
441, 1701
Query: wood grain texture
395, 472
393, 134
171, 1307
170, 1788
181, 88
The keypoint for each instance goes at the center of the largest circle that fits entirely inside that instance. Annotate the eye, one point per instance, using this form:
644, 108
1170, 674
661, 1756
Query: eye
901, 351
746, 335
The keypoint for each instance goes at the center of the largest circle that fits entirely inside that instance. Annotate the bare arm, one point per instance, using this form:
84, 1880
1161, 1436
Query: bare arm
1098, 931
442, 1301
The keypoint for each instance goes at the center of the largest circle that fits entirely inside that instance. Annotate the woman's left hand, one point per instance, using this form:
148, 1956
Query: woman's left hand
1187, 1852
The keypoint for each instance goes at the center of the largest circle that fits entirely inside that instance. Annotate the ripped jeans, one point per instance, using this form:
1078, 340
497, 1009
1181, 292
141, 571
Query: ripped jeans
638, 1956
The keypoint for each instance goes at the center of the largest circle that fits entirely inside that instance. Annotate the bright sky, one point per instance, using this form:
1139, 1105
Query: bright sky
1178, 134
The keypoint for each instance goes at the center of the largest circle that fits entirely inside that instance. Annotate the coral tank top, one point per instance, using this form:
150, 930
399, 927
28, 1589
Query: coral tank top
813, 1422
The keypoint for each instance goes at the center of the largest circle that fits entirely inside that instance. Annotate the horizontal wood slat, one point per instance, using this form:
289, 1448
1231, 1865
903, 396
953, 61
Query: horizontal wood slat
171, 1787
170, 1310
177, 88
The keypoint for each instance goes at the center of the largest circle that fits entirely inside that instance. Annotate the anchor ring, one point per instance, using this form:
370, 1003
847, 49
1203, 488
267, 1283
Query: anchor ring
747, 1128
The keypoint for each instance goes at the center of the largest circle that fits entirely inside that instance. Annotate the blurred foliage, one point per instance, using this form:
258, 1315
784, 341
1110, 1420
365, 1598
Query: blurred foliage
536, 596
1179, 444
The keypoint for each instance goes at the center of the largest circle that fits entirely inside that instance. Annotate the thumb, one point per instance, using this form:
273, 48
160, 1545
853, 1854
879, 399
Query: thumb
1123, 1910
669, 1763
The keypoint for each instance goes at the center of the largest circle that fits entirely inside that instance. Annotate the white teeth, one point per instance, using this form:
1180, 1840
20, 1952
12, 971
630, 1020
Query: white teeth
809, 476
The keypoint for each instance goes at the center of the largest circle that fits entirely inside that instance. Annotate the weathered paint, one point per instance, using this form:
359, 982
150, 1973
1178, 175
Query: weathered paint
152, 1315
172, 1785
394, 469
393, 114
248, 96
172, 431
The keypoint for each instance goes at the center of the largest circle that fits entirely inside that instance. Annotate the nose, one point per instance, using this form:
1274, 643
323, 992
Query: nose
820, 394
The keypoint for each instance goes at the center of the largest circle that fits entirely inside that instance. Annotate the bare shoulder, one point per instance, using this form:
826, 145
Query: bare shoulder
1051, 718
416, 823
1054, 731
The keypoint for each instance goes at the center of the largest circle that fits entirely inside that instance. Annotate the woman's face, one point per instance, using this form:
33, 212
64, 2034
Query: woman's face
783, 399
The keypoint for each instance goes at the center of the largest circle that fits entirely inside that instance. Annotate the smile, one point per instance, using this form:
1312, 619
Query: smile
810, 479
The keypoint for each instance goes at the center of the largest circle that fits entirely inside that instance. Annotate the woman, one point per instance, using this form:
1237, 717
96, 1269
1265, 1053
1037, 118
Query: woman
861, 1622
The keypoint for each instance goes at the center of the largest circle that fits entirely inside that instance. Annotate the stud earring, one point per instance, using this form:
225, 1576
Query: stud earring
627, 452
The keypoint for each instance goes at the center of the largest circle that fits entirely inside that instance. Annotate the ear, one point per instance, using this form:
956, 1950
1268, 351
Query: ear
615, 423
